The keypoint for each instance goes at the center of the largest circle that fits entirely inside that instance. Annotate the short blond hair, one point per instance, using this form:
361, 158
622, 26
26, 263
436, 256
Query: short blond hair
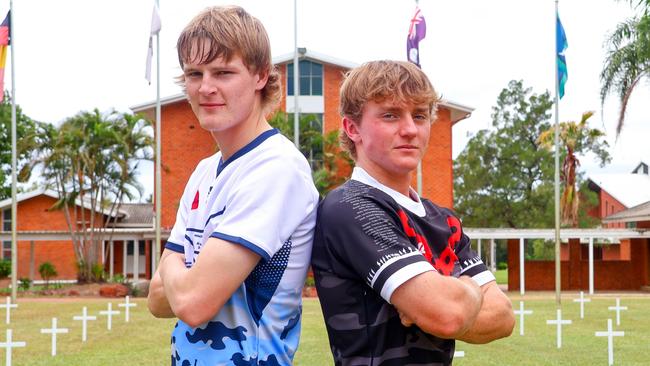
226, 31
378, 81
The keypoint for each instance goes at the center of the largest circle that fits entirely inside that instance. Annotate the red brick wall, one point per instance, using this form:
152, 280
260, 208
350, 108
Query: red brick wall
437, 172
609, 205
33, 215
184, 144
332, 83
608, 275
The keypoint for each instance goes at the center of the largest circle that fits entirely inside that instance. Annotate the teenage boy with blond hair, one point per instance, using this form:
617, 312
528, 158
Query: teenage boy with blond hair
396, 276
235, 263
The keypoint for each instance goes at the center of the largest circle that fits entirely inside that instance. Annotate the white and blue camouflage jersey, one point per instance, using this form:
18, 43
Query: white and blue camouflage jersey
262, 198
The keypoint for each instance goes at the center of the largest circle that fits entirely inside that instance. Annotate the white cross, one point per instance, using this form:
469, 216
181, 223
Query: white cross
618, 309
84, 320
610, 340
9, 344
582, 302
8, 305
559, 323
126, 305
459, 354
521, 312
109, 315
54, 331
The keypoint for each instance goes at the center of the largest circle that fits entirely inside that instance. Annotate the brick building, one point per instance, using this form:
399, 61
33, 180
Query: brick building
619, 262
43, 234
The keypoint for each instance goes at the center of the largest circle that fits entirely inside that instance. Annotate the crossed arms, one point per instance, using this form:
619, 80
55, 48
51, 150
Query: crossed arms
196, 294
457, 308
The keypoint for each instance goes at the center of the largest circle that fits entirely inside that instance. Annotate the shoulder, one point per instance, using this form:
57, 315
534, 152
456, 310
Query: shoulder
353, 201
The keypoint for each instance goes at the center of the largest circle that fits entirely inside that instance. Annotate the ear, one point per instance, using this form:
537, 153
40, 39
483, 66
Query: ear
262, 79
351, 129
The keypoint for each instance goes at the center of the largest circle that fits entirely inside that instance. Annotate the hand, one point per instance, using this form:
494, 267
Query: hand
406, 321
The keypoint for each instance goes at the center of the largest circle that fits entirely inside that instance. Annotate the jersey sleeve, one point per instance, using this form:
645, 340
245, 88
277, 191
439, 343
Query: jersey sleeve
361, 238
268, 204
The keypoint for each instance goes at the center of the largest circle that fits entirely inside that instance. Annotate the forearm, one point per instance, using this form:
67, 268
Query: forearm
157, 301
420, 300
495, 319
198, 293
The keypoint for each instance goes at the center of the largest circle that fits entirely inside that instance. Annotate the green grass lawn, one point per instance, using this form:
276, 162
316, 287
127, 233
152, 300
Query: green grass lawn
501, 276
145, 340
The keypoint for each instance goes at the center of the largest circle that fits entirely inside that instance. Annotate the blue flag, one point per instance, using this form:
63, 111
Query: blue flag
562, 73
417, 32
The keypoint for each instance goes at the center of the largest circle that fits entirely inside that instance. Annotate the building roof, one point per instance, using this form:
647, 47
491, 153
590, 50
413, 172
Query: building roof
136, 215
309, 54
634, 214
629, 189
6, 203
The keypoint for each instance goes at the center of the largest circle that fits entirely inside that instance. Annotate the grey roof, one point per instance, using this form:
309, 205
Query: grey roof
136, 215
634, 214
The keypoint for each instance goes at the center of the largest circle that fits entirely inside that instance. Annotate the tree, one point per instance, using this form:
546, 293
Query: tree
627, 61
504, 177
321, 150
574, 137
24, 126
91, 161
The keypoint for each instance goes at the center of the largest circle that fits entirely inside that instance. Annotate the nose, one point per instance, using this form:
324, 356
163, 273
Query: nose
208, 86
408, 127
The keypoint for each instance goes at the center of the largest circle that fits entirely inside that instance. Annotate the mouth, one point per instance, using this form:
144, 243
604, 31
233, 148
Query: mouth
211, 105
407, 147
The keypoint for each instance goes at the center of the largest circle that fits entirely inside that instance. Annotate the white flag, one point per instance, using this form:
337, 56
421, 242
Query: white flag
155, 29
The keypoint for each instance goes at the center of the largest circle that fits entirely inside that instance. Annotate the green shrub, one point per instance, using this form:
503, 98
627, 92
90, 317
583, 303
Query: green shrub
118, 278
5, 268
47, 271
24, 283
502, 265
98, 272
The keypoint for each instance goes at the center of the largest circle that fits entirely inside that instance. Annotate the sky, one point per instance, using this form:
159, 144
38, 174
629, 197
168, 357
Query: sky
73, 56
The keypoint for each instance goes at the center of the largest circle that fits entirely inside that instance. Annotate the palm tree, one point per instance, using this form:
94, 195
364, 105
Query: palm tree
628, 60
575, 138
91, 159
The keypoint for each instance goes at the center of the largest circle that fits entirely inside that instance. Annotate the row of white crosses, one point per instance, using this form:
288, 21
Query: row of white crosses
54, 330
559, 322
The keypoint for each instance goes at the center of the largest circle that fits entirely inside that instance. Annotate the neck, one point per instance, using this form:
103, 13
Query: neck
233, 139
398, 182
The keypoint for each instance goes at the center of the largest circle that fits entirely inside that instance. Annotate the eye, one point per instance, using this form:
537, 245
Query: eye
389, 116
192, 74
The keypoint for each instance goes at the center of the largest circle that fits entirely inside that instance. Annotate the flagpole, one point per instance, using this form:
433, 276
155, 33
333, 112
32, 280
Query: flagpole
14, 203
158, 157
558, 279
296, 85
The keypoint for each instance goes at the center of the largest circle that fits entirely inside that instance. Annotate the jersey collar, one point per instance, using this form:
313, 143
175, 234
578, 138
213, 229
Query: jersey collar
415, 207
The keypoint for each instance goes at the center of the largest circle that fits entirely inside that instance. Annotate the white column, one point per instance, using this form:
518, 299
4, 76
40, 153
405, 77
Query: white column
493, 256
111, 258
103, 251
591, 266
136, 257
521, 266
478, 248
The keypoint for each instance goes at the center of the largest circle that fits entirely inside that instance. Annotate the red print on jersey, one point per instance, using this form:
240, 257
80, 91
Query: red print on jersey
423, 246
445, 264
195, 203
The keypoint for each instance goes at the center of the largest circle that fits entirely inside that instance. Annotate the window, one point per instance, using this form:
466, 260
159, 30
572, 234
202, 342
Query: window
130, 247
310, 78
6, 226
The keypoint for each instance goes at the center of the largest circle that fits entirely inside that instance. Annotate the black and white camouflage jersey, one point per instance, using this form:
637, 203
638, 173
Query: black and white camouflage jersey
369, 240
